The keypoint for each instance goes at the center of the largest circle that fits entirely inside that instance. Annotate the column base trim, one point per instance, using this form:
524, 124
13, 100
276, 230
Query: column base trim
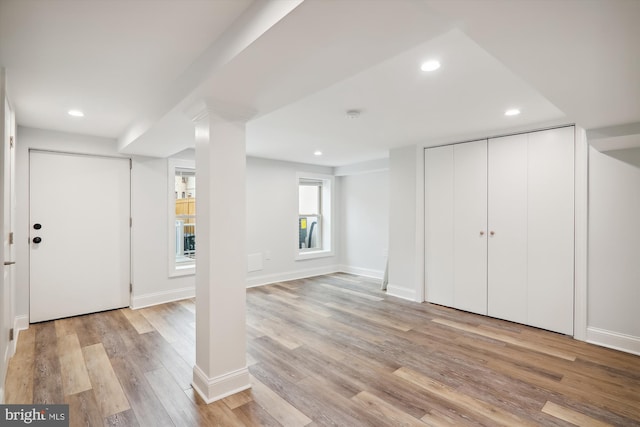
212, 389
401, 292
366, 272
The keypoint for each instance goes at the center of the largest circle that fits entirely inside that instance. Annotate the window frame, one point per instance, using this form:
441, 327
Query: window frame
175, 269
317, 214
325, 216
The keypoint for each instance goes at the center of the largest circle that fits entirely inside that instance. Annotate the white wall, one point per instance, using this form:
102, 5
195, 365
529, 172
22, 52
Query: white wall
149, 212
149, 208
271, 212
26, 139
364, 220
272, 207
614, 249
406, 237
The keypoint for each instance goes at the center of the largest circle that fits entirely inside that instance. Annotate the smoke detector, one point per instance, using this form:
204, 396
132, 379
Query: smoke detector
353, 114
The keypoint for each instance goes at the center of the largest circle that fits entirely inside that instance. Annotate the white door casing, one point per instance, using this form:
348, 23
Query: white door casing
7, 185
82, 263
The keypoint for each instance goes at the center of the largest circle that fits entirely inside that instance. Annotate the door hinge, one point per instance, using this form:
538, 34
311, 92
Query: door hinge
130, 164
11, 142
11, 334
11, 238
130, 222
130, 288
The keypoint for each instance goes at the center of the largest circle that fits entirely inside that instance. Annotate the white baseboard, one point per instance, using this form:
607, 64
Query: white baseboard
366, 272
291, 275
614, 340
20, 323
212, 389
400, 292
156, 298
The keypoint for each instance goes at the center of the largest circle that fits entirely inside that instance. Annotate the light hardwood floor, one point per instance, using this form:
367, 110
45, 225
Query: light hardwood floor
331, 350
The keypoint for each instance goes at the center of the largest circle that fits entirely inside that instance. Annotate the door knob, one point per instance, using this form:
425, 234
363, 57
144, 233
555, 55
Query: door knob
482, 233
37, 240
37, 226
492, 233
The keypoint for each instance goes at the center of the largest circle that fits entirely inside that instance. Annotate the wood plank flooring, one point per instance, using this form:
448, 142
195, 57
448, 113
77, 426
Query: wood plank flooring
328, 351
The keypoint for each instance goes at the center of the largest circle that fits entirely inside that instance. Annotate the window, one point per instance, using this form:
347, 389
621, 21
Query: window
182, 217
314, 216
309, 215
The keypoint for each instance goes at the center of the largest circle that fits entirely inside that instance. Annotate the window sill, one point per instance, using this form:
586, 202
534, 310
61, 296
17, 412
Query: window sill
187, 270
301, 256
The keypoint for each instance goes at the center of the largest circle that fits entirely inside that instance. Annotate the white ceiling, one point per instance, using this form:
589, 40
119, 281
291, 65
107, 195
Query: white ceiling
401, 105
135, 66
107, 58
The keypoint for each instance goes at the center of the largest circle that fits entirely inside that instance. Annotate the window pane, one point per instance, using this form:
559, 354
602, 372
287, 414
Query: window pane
185, 184
309, 232
185, 192
185, 240
309, 199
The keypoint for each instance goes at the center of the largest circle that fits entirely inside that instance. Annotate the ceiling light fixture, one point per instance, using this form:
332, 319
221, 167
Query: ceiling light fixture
76, 113
430, 65
512, 112
317, 153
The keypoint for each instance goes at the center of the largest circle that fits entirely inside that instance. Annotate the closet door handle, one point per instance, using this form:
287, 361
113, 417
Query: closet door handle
492, 233
482, 233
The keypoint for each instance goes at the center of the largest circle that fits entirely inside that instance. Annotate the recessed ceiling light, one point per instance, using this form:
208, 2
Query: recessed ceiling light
76, 113
317, 153
430, 65
512, 112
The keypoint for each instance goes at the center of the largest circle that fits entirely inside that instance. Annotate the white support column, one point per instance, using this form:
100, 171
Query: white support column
221, 367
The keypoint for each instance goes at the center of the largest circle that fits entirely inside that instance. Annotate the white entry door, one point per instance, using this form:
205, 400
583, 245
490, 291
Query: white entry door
79, 234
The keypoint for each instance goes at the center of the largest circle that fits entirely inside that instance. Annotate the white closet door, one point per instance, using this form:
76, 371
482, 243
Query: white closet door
438, 209
470, 226
507, 264
551, 230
